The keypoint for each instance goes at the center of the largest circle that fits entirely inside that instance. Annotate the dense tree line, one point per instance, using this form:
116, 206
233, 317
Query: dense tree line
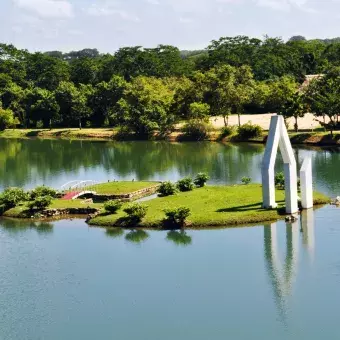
144, 90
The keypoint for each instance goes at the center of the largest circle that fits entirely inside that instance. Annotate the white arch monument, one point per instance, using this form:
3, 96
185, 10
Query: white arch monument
278, 139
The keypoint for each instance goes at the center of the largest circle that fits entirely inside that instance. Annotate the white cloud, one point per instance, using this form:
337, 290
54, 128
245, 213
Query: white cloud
47, 8
109, 9
153, 2
285, 5
184, 20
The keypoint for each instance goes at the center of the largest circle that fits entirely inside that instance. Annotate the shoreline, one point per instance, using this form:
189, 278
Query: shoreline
106, 134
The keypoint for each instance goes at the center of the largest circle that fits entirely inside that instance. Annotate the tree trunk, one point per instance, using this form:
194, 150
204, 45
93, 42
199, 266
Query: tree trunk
225, 121
79, 124
239, 119
296, 124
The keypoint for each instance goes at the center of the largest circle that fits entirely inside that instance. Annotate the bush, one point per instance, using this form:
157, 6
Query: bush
167, 189
136, 212
279, 180
42, 191
197, 129
246, 180
7, 119
227, 131
112, 206
201, 179
199, 111
12, 196
185, 184
249, 130
177, 216
40, 202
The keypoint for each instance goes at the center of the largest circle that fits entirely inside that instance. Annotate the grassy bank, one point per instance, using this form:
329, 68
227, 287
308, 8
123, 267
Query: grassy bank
120, 188
22, 210
311, 138
211, 206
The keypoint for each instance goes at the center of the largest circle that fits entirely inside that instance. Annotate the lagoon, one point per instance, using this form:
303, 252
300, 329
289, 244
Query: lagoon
65, 280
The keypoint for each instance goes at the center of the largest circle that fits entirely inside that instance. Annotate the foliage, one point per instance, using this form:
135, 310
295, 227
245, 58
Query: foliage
246, 180
136, 212
7, 119
146, 107
185, 184
248, 130
201, 179
197, 129
112, 206
12, 196
40, 202
177, 216
167, 189
322, 97
199, 111
227, 131
279, 180
42, 191
294, 107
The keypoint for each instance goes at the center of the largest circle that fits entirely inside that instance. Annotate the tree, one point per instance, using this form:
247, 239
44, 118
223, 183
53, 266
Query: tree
229, 90
42, 106
294, 107
83, 70
7, 119
73, 102
145, 107
45, 71
323, 97
199, 111
104, 99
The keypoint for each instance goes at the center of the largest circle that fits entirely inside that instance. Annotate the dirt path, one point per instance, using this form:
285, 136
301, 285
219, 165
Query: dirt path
305, 123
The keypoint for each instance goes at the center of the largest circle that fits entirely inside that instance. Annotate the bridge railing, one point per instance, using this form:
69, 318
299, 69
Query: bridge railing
77, 185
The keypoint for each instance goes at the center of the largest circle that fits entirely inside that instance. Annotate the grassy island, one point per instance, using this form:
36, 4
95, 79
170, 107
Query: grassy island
207, 206
211, 206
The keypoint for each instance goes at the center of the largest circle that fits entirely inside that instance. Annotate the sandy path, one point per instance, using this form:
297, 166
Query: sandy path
305, 123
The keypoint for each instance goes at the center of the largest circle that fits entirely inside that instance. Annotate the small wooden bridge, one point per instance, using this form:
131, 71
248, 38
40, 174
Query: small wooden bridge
75, 189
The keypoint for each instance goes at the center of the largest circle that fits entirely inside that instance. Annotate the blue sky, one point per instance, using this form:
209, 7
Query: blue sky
189, 24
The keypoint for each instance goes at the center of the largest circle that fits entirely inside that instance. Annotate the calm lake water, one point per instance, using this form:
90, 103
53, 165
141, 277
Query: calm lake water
64, 280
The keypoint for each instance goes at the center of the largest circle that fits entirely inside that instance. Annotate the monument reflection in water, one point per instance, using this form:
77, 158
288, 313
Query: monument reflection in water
282, 274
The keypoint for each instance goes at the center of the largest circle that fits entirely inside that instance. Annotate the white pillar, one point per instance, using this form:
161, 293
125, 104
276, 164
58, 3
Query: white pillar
306, 182
268, 171
278, 137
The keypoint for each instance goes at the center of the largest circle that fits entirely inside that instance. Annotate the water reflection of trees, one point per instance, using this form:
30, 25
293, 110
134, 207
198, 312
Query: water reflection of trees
180, 238
137, 236
26, 161
114, 232
17, 226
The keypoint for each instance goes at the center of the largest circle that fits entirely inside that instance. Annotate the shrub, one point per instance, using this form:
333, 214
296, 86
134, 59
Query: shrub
177, 216
12, 196
279, 180
249, 130
197, 129
201, 179
185, 184
40, 202
112, 206
167, 189
199, 111
227, 131
136, 212
246, 180
42, 191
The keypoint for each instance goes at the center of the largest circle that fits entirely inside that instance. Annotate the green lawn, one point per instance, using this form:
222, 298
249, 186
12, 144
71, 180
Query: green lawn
23, 211
212, 206
120, 188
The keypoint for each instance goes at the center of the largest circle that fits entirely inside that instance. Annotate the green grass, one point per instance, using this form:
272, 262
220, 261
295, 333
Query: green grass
23, 211
212, 206
120, 188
